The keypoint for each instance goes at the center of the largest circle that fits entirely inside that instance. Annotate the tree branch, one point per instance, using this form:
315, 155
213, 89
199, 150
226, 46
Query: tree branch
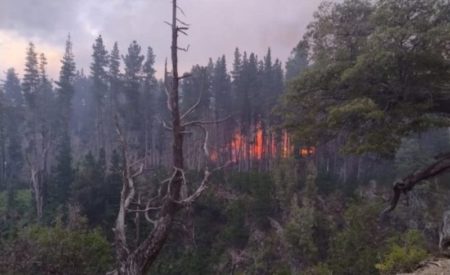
200, 122
409, 182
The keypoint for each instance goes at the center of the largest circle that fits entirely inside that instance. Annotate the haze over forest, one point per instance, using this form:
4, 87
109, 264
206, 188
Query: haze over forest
275, 24
224, 137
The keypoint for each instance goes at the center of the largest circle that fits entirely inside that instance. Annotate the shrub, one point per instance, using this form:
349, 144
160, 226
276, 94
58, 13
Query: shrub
403, 253
55, 250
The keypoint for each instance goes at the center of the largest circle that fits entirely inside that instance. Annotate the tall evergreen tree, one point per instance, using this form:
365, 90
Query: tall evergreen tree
221, 89
131, 110
13, 120
63, 171
297, 62
65, 88
12, 88
99, 89
149, 106
30, 81
114, 77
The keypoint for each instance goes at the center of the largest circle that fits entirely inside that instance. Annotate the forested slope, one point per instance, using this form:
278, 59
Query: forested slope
289, 166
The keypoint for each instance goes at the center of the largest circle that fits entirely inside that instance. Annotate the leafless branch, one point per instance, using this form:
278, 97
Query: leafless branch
409, 182
183, 23
193, 107
203, 186
182, 31
181, 10
144, 210
139, 171
150, 220
185, 75
167, 127
200, 122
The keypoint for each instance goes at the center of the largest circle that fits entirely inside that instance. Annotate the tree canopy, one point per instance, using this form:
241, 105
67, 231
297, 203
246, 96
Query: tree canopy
377, 72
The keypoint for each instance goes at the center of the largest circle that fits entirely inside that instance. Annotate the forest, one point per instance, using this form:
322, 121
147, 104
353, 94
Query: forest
330, 162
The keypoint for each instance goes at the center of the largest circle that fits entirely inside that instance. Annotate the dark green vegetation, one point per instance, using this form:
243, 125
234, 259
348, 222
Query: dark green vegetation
368, 86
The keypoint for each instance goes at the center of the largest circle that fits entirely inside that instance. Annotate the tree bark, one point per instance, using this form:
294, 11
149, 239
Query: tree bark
140, 260
441, 165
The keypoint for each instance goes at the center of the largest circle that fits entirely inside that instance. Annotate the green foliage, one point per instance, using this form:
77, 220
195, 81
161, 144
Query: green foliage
297, 62
15, 212
355, 250
44, 250
319, 269
31, 76
404, 253
88, 188
236, 231
260, 188
299, 233
285, 178
375, 77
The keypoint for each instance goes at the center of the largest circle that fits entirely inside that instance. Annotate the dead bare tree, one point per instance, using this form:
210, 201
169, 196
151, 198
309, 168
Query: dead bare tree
37, 161
160, 211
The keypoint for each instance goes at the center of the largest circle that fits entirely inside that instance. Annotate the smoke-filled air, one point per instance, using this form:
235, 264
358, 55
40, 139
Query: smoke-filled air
195, 137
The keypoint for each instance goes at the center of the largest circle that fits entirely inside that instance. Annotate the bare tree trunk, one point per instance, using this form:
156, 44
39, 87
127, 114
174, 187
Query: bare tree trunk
139, 260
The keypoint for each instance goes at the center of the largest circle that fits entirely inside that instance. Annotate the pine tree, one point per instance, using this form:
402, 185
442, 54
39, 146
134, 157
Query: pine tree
13, 94
114, 78
30, 81
42, 68
65, 88
149, 96
221, 89
63, 171
99, 89
132, 81
13, 118
222, 107
297, 62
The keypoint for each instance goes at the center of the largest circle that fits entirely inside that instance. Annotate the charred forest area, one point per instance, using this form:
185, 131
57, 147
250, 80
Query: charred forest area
333, 161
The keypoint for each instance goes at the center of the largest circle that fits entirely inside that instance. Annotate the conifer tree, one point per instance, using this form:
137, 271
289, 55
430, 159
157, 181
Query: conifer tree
63, 171
12, 89
297, 62
30, 81
132, 81
37, 126
114, 77
99, 89
149, 96
13, 120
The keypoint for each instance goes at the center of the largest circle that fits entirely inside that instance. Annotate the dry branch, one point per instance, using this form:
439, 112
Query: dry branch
441, 165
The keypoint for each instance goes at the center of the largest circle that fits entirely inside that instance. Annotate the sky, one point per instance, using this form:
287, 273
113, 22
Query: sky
217, 27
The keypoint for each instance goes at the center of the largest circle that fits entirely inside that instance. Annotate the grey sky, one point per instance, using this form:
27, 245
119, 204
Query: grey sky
217, 27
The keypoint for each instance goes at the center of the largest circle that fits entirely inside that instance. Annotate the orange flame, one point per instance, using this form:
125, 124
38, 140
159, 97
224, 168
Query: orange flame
214, 156
258, 145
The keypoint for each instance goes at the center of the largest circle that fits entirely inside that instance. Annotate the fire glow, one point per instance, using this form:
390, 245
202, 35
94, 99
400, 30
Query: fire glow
260, 146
